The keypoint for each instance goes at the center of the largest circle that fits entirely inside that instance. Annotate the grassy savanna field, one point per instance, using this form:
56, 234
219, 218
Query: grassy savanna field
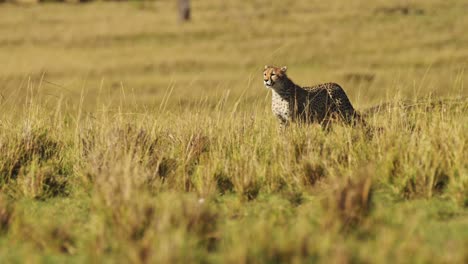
127, 136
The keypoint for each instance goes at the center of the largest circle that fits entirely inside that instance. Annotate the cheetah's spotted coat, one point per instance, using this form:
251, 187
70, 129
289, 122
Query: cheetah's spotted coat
321, 103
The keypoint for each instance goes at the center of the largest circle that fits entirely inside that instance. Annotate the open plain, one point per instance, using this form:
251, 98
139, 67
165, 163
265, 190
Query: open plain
128, 136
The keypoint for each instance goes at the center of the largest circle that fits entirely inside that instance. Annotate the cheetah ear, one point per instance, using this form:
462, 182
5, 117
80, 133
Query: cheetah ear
266, 67
284, 69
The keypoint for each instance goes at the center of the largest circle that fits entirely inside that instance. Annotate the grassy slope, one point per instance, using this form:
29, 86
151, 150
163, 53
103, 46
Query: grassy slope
116, 120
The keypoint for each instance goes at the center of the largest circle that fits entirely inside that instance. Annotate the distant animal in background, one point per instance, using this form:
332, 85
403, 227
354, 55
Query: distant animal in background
321, 103
184, 10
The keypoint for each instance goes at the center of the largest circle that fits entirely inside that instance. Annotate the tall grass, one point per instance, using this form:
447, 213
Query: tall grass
203, 187
152, 141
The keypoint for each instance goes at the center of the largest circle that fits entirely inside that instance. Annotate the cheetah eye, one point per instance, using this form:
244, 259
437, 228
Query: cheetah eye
272, 74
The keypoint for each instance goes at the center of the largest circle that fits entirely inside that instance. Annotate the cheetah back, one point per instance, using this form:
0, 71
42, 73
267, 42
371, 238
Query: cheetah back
325, 101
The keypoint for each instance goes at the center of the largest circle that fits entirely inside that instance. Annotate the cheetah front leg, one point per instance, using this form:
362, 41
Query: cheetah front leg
284, 123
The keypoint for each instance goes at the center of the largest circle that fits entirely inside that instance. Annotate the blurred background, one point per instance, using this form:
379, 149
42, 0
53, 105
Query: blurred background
205, 50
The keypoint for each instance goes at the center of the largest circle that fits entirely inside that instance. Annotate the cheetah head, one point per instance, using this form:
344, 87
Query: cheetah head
273, 75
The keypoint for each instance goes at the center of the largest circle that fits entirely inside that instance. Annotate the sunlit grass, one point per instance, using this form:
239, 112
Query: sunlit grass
153, 141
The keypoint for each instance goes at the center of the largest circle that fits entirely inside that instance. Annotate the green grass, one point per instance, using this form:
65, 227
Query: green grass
127, 136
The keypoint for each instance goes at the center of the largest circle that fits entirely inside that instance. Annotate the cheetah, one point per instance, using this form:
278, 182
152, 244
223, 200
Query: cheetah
321, 104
